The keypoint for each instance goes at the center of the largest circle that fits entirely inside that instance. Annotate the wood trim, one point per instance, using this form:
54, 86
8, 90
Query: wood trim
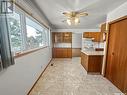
117, 20
20, 54
39, 78
104, 64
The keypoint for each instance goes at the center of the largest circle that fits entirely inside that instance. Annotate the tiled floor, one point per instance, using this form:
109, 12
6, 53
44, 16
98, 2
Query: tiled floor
68, 77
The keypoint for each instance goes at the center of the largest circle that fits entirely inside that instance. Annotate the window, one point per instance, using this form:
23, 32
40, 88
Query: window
47, 32
26, 33
36, 36
15, 32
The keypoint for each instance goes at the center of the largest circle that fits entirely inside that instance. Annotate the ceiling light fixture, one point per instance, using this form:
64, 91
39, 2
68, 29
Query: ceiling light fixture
68, 21
73, 21
73, 18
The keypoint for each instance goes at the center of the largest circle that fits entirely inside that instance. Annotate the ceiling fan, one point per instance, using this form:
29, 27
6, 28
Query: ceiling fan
73, 18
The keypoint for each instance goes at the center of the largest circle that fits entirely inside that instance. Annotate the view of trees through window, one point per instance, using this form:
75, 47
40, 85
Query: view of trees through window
26, 33
15, 32
36, 35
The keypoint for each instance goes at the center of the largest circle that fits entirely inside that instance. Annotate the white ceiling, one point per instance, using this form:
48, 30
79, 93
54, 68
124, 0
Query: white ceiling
97, 10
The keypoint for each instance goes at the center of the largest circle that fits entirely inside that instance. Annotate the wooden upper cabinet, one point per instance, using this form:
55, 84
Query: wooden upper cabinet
65, 37
103, 27
58, 37
98, 36
53, 37
86, 35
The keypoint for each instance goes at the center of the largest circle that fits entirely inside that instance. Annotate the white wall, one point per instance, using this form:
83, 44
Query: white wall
76, 30
76, 40
19, 78
117, 13
62, 45
32, 9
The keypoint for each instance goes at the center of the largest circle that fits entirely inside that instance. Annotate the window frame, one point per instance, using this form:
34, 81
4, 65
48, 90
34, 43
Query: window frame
17, 12
44, 28
48, 34
24, 49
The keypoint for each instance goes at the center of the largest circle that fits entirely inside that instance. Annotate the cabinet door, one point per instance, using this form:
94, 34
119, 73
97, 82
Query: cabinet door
94, 63
69, 53
67, 37
58, 37
85, 34
64, 51
117, 55
53, 37
58, 53
84, 61
98, 36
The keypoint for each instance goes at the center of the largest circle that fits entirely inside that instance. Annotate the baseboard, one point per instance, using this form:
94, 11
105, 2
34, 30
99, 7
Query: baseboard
38, 78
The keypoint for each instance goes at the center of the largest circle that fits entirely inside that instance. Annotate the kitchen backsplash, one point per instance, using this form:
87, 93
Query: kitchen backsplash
88, 44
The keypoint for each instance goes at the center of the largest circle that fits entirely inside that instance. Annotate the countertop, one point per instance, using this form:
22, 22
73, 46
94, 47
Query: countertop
92, 52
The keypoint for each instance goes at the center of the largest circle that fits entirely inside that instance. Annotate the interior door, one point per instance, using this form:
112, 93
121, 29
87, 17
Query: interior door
116, 70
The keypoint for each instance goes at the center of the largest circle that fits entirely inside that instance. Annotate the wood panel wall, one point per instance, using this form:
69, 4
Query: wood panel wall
62, 37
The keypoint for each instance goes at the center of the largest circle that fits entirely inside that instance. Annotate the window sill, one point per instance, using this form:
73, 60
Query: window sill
20, 54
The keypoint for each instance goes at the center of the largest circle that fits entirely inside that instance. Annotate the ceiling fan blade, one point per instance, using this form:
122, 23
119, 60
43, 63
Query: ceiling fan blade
67, 14
82, 14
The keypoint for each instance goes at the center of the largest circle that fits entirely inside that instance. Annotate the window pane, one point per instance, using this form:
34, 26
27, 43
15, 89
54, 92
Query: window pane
35, 34
15, 32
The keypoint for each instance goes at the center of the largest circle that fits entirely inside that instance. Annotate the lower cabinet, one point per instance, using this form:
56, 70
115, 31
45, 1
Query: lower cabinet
84, 61
62, 53
92, 63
